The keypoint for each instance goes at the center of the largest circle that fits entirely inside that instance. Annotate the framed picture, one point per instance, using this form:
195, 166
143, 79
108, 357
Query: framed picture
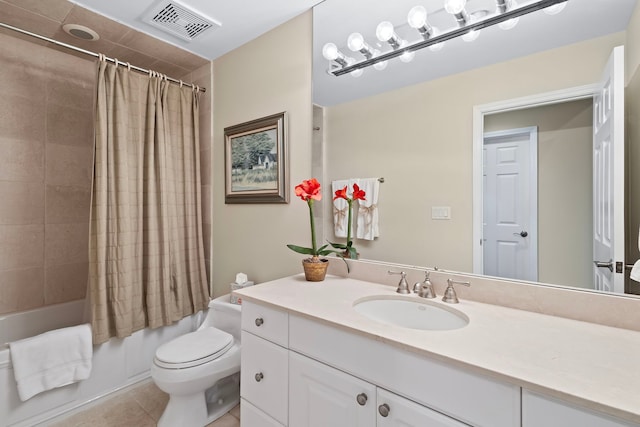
256, 163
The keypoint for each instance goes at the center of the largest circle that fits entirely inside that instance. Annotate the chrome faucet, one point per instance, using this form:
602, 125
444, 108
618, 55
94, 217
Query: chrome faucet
403, 286
450, 293
424, 289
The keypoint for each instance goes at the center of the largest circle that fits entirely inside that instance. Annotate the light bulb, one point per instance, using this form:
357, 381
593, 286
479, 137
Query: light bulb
471, 35
330, 51
354, 73
509, 24
454, 6
407, 56
381, 65
417, 17
355, 41
384, 31
438, 46
555, 9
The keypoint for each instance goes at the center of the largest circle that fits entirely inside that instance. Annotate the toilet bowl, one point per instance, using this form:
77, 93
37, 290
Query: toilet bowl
201, 370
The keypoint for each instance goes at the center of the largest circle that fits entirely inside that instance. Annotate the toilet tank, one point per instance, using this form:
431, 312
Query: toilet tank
224, 316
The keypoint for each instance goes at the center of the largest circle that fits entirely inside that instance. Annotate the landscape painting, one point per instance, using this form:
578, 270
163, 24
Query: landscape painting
255, 161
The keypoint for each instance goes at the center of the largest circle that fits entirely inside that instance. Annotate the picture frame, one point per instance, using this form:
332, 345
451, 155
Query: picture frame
256, 161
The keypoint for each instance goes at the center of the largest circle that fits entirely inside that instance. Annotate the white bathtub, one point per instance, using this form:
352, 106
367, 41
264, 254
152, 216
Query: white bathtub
116, 364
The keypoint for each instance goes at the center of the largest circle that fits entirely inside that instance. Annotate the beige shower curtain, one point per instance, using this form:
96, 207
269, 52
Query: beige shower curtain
146, 249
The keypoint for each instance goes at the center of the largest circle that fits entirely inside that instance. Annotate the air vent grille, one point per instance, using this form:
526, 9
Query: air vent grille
179, 20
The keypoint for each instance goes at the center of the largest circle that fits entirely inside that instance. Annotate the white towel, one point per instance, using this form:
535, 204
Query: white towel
368, 228
635, 271
50, 360
340, 209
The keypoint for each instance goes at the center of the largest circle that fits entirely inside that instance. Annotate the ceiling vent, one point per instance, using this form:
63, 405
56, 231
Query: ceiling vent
179, 20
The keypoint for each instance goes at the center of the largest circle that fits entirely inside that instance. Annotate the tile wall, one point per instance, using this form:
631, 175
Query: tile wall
46, 149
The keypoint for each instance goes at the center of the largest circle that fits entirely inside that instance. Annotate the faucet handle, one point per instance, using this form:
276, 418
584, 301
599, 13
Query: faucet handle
450, 295
403, 286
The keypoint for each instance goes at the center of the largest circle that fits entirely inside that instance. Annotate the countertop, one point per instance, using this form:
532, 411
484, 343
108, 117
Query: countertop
591, 365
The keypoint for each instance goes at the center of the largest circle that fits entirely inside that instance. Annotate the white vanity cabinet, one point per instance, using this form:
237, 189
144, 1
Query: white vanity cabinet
543, 411
322, 396
264, 371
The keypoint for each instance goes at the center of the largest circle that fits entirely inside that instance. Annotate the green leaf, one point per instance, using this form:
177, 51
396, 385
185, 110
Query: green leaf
338, 245
301, 250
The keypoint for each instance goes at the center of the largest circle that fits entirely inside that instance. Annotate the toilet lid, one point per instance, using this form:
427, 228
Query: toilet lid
194, 348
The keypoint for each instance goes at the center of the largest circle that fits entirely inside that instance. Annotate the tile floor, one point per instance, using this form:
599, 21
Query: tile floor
140, 406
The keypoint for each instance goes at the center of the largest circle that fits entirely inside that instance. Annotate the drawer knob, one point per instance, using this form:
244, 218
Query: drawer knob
384, 410
259, 376
361, 399
259, 321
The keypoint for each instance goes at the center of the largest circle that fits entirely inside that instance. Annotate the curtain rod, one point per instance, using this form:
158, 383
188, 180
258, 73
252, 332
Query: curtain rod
96, 55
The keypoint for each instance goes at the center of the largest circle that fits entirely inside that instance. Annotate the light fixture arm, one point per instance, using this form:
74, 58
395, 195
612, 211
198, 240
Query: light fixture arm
457, 32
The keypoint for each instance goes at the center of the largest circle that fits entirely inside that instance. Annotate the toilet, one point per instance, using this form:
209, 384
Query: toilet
201, 370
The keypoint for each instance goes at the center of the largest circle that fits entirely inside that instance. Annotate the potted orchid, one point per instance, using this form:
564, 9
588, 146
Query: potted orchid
314, 267
348, 250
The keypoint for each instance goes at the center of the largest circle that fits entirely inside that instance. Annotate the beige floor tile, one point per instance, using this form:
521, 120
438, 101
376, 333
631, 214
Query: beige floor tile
151, 399
235, 411
227, 420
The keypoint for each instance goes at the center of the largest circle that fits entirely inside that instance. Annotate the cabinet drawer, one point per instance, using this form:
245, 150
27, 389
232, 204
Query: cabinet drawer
403, 412
542, 411
265, 322
250, 416
264, 376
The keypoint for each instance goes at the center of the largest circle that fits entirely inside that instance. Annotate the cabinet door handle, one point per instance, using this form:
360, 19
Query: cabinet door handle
361, 399
259, 376
259, 321
384, 410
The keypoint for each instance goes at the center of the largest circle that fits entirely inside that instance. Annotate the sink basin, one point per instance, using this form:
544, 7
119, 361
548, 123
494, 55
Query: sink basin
411, 314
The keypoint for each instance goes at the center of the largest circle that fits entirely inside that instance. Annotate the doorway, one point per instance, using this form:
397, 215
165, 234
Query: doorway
510, 204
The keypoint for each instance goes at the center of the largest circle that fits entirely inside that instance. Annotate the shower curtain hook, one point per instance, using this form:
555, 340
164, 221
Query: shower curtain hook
129, 66
180, 84
116, 61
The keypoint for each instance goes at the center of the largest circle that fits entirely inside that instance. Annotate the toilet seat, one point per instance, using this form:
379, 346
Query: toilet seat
193, 349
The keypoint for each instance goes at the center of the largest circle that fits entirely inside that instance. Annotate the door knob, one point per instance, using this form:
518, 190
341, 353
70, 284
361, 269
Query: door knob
362, 399
521, 234
384, 410
259, 377
605, 264
259, 321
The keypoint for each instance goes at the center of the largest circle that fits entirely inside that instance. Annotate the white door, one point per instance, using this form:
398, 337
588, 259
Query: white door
396, 411
608, 176
321, 396
510, 204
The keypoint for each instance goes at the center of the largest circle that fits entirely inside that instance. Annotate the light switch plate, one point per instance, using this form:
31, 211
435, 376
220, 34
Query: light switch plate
440, 212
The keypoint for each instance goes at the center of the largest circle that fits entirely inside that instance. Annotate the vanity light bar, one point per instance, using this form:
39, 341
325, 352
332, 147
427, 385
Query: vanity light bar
488, 22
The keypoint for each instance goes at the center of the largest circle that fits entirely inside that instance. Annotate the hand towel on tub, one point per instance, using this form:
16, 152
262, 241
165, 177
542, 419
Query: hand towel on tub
340, 209
368, 209
50, 360
635, 271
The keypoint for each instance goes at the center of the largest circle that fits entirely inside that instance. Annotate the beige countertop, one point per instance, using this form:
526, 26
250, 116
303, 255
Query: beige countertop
591, 365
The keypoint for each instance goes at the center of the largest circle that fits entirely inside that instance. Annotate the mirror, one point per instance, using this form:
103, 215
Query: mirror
412, 123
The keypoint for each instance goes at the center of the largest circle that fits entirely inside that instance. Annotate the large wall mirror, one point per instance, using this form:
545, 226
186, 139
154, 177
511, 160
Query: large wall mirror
413, 124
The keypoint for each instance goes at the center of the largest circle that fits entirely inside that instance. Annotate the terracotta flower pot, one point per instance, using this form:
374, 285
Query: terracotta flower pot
315, 269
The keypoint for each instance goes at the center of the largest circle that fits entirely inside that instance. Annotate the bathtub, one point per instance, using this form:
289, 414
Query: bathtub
117, 363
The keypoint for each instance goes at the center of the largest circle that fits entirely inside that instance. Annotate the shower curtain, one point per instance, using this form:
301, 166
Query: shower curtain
146, 254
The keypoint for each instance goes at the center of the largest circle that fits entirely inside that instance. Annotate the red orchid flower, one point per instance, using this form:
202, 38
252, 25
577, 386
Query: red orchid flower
358, 194
341, 194
309, 189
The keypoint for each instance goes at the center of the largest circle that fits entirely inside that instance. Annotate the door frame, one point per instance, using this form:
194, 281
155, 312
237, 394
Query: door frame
479, 111
532, 133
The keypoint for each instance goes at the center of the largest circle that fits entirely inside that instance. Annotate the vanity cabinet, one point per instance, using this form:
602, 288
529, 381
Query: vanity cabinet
322, 396
544, 411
